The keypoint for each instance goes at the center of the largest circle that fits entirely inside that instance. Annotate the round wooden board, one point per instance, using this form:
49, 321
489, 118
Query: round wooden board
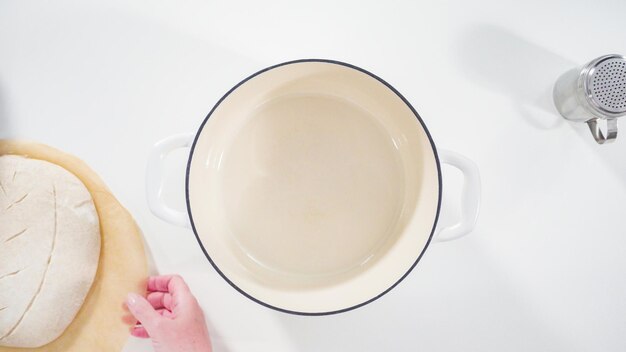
99, 325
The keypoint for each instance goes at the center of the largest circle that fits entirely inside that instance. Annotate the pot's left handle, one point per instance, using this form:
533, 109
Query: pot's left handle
154, 182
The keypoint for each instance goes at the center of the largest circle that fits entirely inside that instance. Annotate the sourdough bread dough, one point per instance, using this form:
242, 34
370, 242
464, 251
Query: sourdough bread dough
49, 250
101, 324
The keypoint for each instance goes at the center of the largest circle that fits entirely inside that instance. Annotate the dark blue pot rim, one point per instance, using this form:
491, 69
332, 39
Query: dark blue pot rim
195, 231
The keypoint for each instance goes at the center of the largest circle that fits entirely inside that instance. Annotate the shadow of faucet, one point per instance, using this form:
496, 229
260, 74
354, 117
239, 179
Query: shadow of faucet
508, 64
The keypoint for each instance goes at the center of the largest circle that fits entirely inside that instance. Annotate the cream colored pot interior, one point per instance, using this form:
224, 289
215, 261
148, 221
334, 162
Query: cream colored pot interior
313, 187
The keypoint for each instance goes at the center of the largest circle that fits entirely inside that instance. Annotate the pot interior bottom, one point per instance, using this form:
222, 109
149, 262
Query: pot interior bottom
312, 186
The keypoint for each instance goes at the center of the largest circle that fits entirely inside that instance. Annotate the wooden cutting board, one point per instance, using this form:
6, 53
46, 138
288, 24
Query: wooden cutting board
102, 324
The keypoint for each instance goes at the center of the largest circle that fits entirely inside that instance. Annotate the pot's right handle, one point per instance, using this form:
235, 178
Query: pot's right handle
470, 198
154, 175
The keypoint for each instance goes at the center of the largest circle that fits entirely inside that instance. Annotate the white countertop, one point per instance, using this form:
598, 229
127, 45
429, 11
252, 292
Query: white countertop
545, 269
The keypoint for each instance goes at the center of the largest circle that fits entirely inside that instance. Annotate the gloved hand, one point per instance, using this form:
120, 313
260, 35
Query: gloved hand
170, 316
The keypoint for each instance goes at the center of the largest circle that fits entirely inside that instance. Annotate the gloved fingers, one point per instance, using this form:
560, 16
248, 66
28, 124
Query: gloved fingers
139, 331
160, 300
167, 283
165, 313
143, 311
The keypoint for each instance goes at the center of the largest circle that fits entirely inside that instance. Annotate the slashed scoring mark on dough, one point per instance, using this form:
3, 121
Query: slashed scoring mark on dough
11, 274
3, 190
14, 236
17, 201
17, 164
3, 308
43, 277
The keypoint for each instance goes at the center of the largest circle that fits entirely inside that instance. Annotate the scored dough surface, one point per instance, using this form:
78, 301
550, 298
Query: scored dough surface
101, 324
49, 250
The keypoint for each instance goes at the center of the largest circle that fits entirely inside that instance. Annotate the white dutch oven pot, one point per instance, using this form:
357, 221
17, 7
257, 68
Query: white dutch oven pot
313, 187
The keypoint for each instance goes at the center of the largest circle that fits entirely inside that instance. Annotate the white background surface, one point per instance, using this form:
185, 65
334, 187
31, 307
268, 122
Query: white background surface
545, 269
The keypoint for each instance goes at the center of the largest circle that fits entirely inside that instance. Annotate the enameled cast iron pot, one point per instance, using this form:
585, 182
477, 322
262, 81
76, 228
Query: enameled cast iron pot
313, 187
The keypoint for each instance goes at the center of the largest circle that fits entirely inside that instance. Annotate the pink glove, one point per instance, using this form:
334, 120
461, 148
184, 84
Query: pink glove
170, 315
